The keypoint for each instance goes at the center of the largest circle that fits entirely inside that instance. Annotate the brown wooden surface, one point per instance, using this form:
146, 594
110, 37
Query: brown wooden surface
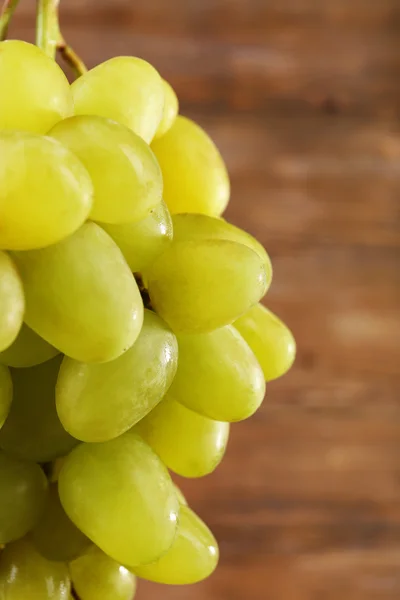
303, 97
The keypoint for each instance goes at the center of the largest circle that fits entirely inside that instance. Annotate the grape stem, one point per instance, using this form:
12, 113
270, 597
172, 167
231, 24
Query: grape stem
6, 14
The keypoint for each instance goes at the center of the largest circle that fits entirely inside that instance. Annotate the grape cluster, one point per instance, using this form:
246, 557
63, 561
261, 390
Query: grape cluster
131, 333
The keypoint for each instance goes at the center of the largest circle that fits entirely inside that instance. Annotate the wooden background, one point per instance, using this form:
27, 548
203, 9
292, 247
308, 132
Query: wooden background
303, 98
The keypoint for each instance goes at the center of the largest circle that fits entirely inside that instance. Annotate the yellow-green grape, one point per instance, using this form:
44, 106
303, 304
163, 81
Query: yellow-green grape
188, 443
97, 403
32, 430
23, 488
142, 242
27, 350
55, 536
188, 227
179, 494
194, 173
125, 174
12, 301
46, 198
202, 285
35, 97
26, 575
96, 576
193, 556
271, 340
125, 89
6, 393
81, 296
170, 112
218, 375
121, 496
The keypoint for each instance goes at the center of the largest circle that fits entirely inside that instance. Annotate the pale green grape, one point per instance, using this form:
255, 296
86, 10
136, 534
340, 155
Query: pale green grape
271, 340
188, 443
27, 350
26, 575
188, 227
96, 576
23, 488
218, 375
32, 430
122, 497
99, 402
81, 296
170, 112
180, 496
126, 89
195, 176
125, 174
202, 285
6, 393
12, 301
55, 536
192, 557
35, 97
142, 242
46, 192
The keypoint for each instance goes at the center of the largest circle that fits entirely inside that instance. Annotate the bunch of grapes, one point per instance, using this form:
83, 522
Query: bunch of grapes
131, 333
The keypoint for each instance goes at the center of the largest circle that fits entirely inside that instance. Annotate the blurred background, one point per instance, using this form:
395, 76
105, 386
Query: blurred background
303, 99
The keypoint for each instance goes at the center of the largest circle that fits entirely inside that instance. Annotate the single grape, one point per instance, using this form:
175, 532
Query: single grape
97, 403
192, 557
125, 174
35, 97
179, 494
195, 176
81, 296
32, 430
26, 575
188, 443
6, 393
96, 576
23, 488
271, 340
142, 242
126, 89
12, 302
170, 112
55, 536
46, 198
218, 375
27, 350
122, 497
202, 285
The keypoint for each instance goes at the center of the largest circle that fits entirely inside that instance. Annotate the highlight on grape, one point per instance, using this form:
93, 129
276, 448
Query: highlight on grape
131, 329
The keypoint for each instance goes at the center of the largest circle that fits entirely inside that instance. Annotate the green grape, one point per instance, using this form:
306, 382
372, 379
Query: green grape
27, 350
218, 375
46, 198
141, 243
23, 488
188, 227
170, 112
81, 296
125, 89
35, 97
122, 497
179, 494
195, 176
202, 285
135, 382
192, 557
96, 576
12, 301
271, 340
6, 393
125, 174
26, 575
55, 536
188, 443
33, 430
